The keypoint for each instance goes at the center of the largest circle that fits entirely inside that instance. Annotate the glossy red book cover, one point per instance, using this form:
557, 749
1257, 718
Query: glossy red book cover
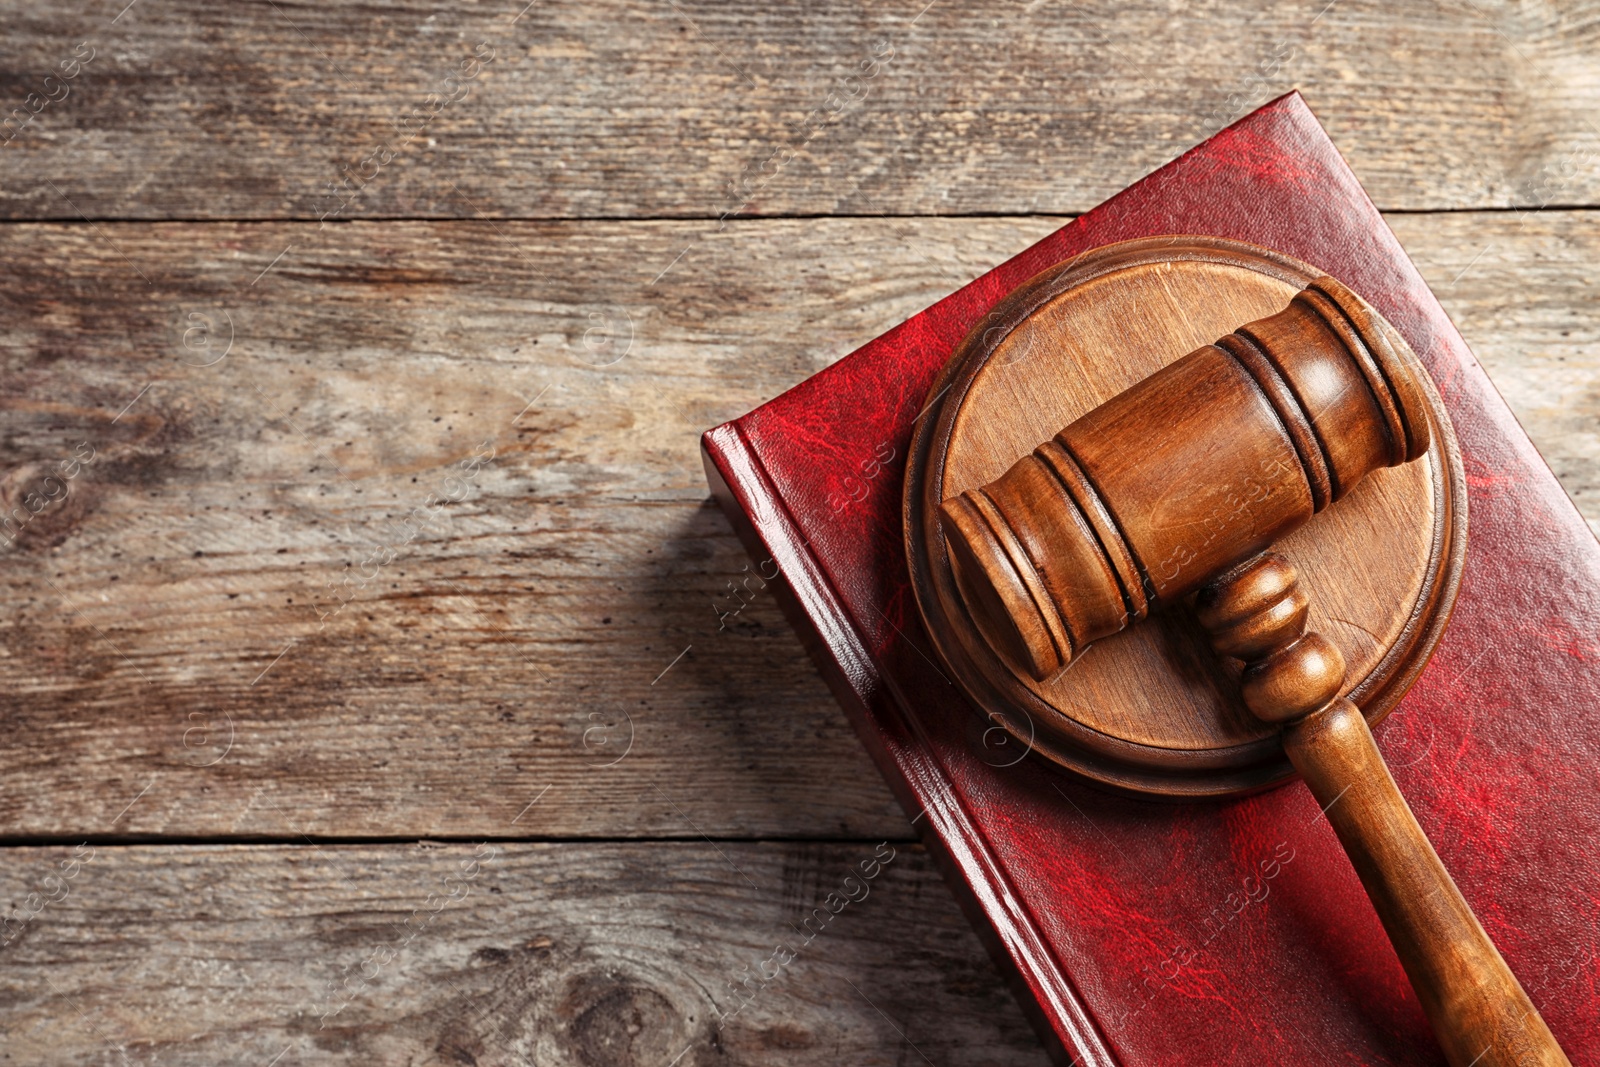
1139, 932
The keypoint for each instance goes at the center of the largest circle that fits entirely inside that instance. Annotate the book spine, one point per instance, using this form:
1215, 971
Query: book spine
801, 587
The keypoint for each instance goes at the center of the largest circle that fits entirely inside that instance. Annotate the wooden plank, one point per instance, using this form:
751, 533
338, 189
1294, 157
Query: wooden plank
189, 109
1518, 286
190, 588
593, 954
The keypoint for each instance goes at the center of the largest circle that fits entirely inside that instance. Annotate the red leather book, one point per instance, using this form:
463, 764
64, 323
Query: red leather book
1234, 932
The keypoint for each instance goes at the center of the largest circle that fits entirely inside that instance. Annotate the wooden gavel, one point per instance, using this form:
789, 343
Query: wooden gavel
1179, 485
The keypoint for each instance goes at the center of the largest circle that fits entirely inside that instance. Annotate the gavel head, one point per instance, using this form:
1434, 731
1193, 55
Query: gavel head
1191, 471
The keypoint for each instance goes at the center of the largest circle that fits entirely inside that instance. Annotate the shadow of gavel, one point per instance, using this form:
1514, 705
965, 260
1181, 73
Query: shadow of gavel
1180, 485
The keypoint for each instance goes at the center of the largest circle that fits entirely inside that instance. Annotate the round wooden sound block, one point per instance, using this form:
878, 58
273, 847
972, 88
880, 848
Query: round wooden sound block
1153, 710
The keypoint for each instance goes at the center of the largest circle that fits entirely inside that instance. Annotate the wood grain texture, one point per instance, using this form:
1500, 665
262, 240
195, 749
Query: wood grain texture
148, 610
197, 110
508, 640
1518, 287
613, 955
269, 406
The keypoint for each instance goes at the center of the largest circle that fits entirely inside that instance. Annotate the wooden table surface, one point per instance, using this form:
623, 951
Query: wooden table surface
371, 688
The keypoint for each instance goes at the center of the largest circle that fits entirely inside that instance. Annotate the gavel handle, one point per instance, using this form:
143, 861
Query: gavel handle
1479, 1011
1477, 1007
